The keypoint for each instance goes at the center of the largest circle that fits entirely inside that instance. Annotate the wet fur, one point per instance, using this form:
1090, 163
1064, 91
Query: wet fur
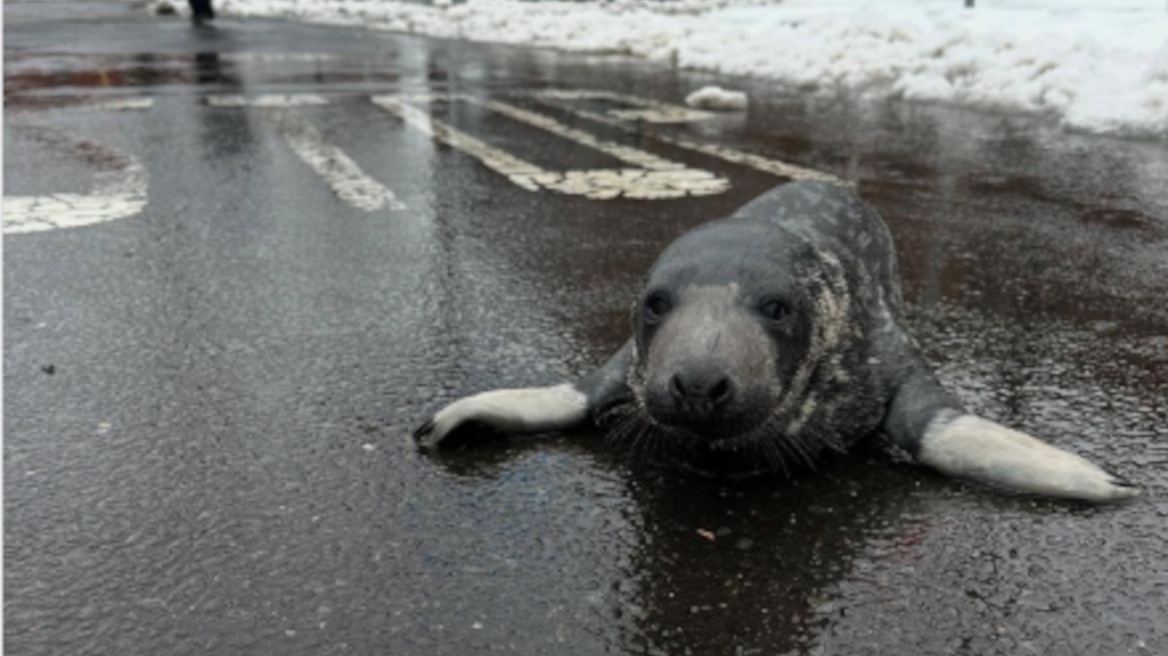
829, 401
850, 370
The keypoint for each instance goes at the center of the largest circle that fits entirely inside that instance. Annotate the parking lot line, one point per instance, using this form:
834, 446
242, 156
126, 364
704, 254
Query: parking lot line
565, 101
653, 178
343, 175
119, 191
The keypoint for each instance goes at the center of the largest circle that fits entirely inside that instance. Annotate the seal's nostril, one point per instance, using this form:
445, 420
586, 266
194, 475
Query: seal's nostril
701, 391
677, 388
720, 392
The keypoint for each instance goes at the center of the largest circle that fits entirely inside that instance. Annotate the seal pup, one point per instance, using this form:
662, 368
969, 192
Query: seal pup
779, 332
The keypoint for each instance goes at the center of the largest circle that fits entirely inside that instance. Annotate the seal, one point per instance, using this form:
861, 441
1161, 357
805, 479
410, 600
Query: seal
778, 332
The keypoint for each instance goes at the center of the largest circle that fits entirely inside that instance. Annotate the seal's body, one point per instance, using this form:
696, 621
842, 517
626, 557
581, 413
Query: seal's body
778, 333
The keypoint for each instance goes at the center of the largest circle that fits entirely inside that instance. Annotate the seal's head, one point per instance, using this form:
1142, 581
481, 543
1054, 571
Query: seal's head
729, 328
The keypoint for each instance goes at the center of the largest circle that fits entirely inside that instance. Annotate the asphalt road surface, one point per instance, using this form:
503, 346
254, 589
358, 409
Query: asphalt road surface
242, 263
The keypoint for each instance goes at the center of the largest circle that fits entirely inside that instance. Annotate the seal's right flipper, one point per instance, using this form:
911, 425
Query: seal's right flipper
936, 430
513, 411
532, 409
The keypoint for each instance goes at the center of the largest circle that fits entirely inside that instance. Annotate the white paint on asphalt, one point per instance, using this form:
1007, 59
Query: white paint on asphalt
654, 178
343, 175
626, 154
60, 102
512, 167
123, 104
565, 101
119, 191
648, 110
758, 162
278, 56
267, 100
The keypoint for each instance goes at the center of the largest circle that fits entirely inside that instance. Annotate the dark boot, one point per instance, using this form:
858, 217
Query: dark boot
201, 11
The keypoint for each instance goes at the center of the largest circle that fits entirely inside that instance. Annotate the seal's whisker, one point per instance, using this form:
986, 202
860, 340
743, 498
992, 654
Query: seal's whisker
621, 430
784, 446
796, 443
642, 441
798, 449
757, 457
775, 457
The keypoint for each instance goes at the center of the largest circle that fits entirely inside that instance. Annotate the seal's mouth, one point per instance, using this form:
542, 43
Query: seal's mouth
725, 426
731, 444
723, 433
757, 446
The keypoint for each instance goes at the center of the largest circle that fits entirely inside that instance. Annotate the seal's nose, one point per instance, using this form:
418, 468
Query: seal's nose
700, 392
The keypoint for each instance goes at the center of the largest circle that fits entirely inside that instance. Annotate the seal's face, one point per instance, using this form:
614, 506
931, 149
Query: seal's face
712, 360
723, 328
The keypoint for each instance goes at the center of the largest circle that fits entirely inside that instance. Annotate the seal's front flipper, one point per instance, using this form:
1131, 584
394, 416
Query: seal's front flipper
532, 409
932, 425
967, 446
512, 411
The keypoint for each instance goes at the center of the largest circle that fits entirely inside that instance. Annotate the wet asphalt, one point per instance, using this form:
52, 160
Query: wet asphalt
208, 404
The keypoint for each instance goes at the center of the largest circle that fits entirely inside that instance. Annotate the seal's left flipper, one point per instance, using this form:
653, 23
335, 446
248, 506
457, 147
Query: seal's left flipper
932, 425
532, 409
968, 446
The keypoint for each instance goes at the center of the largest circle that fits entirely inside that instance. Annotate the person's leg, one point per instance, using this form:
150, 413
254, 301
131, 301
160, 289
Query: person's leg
201, 10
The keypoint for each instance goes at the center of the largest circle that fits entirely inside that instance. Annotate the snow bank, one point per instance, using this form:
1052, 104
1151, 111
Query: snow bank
716, 98
1098, 65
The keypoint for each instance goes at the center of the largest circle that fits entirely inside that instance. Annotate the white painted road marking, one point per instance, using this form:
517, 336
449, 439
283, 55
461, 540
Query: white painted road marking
343, 175
347, 180
492, 157
119, 191
267, 100
56, 102
123, 104
654, 178
265, 57
564, 100
650, 111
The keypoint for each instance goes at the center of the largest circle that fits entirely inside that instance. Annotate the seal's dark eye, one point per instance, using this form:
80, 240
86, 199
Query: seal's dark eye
657, 306
774, 309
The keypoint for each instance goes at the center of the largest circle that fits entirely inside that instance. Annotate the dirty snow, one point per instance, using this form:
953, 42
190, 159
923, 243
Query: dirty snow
717, 98
1096, 65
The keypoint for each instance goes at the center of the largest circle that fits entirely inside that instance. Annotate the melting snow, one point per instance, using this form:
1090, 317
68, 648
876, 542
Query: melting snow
1097, 65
